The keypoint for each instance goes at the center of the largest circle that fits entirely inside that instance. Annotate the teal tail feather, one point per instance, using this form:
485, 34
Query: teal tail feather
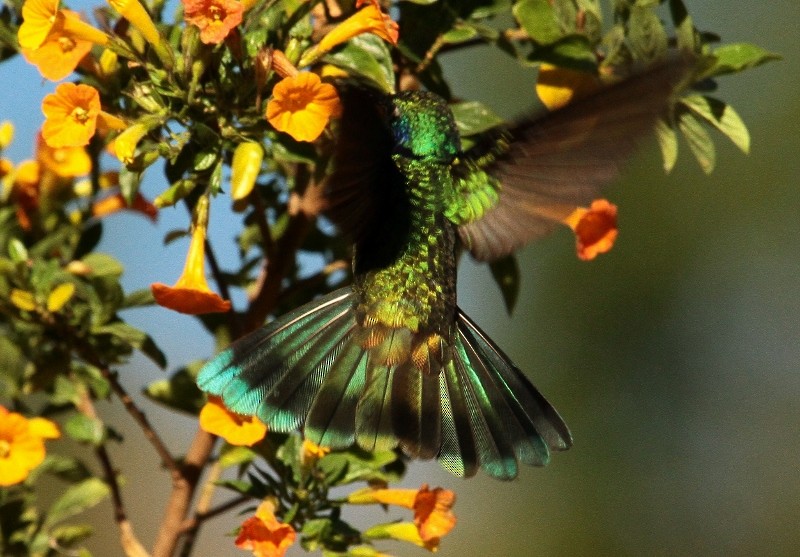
470, 408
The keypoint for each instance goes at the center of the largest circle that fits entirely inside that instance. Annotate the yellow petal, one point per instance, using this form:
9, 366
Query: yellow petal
23, 299
59, 296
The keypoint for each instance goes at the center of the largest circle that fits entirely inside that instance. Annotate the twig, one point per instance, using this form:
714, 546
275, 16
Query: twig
183, 488
191, 523
130, 544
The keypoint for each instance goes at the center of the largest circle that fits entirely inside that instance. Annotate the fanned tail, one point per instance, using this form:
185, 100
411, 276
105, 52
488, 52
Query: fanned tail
461, 400
493, 417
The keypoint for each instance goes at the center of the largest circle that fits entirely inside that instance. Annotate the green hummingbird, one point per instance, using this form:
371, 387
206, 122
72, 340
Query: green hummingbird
391, 361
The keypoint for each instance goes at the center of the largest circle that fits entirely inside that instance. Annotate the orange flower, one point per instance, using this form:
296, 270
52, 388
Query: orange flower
71, 115
235, 429
214, 18
64, 162
40, 17
595, 228
191, 293
117, 202
22, 445
433, 515
403, 531
60, 53
302, 106
368, 20
264, 535
557, 87
25, 191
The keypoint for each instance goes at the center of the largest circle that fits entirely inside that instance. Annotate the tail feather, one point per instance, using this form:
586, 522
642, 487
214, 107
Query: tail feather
374, 423
460, 400
417, 411
331, 417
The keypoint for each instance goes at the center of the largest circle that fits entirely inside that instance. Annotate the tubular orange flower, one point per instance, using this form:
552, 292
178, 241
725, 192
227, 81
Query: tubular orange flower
117, 202
40, 17
403, 531
264, 535
71, 115
595, 228
433, 515
64, 162
22, 445
124, 145
191, 293
557, 87
215, 18
302, 106
137, 15
235, 429
367, 20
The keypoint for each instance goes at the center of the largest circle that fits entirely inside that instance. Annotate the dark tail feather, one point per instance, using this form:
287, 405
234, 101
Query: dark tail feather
506, 419
466, 404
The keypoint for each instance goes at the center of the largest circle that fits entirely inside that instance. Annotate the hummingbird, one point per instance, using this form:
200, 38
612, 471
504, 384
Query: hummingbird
391, 361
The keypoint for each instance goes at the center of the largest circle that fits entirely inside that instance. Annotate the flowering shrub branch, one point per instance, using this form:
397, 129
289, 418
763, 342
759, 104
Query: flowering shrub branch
243, 96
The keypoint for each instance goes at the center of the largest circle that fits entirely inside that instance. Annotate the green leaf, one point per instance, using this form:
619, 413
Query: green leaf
573, 52
231, 455
12, 364
473, 118
722, 116
368, 56
180, 391
506, 274
129, 182
76, 499
538, 19
102, 264
69, 535
358, 466
65, 467
736, 57
684, 27
84, 429
668, 143
138, 298
17, 251
699, 141
136, 339
646, 34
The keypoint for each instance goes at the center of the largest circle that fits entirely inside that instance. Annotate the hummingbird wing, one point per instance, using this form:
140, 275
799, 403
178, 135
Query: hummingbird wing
559, 161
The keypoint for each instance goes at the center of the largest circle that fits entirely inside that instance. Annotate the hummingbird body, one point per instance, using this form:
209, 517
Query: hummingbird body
391, 360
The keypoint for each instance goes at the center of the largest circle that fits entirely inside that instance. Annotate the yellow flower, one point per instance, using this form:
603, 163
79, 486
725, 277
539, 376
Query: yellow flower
433, 515
22, 445
60, 53
40, 17
366, 20
215, 18
302, 106
124, 145
64, 162
235, 429
264, 535
6, 134
137, 15
595, 228
191, 293
403, 531
71, 115
557, 87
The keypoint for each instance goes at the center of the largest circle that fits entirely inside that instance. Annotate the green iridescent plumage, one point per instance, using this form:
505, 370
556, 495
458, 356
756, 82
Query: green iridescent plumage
391, 361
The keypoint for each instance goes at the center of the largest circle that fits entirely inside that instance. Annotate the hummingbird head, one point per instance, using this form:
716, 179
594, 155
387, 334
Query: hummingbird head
423, 127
